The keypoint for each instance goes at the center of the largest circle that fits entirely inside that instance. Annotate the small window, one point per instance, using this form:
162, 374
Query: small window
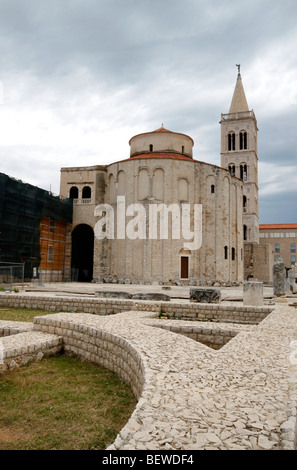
277, 257
243, 140
231, 141
277, 248
293, 247
52, 226
225, 252
50, 254
86, 192
245, 232
183, 149
232, 169
73, 194
151, 148
293, 259
233, 254
244, 203
212, 189
243, 172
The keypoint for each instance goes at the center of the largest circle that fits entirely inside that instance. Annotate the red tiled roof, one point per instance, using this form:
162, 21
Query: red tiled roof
162, 129
162, 155
276, 226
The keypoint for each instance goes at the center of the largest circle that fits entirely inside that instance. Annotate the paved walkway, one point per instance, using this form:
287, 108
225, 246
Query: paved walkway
242, 396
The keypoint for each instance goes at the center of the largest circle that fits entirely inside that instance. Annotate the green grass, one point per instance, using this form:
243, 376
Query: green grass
62, 403
21, 314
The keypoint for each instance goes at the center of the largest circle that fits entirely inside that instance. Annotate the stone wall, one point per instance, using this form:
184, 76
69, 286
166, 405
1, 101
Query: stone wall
258, 262
148, 260
21, 348
215, 338
8, 328
188, 311
166, 181
97, 346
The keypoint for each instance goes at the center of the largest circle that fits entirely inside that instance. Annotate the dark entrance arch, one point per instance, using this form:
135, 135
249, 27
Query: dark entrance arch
82, 256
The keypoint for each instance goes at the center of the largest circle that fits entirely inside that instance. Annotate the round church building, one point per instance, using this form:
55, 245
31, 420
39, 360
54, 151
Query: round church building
171, 219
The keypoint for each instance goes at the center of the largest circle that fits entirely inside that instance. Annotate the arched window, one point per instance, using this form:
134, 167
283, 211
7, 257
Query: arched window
151, 148
121, 183
231, 141
232, 169
112, 189
212, 189
243, 172
73, 193
86, 192
225, 252
244, 203
243, 140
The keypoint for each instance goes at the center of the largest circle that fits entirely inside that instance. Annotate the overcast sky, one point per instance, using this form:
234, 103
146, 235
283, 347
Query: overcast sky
79, 78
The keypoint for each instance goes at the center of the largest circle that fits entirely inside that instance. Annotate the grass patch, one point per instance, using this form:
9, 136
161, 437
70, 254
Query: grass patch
62, 403
22, 314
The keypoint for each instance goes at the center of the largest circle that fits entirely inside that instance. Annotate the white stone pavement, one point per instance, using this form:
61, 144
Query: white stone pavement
242, 396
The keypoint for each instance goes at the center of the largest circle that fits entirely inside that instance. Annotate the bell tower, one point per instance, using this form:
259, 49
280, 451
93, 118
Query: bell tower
240, 156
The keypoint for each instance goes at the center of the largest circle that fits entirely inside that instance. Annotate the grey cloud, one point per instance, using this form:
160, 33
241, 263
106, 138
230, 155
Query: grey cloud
175, 61
278, 138
278, 209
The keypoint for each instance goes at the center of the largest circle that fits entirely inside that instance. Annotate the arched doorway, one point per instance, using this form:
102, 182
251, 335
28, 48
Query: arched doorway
82, 256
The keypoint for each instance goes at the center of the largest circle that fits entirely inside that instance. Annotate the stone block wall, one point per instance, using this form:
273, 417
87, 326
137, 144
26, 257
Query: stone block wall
188, 311
21, 348
8, 328
97, 346
212, 337
258, 262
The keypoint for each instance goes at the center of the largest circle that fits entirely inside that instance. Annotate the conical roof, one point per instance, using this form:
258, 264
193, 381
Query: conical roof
239, 102
162, 129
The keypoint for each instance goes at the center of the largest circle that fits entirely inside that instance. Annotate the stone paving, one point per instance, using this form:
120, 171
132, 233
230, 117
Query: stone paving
190, 396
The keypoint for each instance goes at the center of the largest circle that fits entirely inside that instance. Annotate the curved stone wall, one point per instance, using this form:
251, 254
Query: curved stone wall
155, 181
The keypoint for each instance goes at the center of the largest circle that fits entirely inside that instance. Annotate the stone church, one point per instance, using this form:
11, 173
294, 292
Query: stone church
161, 170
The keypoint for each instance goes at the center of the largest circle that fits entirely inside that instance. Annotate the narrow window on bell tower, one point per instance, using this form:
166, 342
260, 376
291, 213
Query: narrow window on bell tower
243, 172
232, 169
231, 141
244, 204
243, 140
151, 148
